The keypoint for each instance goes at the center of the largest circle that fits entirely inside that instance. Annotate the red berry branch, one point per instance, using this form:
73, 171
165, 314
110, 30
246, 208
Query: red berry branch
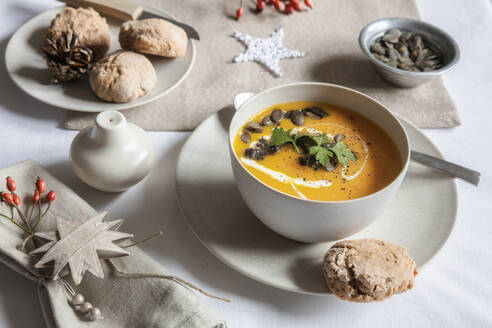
13, 200
284, 6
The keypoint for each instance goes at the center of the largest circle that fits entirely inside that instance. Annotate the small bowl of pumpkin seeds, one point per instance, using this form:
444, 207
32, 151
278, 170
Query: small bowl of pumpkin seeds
408, 52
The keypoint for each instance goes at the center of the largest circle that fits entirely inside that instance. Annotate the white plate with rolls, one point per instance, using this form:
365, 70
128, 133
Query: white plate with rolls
28, 69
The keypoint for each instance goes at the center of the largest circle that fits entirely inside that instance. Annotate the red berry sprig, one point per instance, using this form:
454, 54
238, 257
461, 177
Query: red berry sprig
40, 185
11, 185
289, 9
14, 201
260, 5
297, 5
35, 198
7, 198
239, 13
284, 6
51, 196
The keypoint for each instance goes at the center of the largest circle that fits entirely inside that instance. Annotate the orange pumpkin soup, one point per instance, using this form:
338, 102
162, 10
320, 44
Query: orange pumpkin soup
318, 151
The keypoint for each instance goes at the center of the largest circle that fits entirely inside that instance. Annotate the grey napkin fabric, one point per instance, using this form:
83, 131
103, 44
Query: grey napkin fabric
124, 302
328, 33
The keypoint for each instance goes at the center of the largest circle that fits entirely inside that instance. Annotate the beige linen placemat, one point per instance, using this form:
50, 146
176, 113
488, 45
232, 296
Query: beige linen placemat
328, 33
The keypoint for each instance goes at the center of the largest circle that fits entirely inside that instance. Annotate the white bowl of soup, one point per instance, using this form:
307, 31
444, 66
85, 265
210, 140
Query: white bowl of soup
316, 162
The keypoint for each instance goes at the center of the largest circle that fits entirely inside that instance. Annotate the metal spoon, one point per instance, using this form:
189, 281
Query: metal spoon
447, 167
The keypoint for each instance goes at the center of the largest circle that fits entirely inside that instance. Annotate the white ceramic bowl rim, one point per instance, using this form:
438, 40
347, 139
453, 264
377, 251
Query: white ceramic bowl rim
430, 27
406, 160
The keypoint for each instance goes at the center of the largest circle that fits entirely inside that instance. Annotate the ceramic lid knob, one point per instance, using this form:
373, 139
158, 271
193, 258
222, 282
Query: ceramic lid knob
112, 155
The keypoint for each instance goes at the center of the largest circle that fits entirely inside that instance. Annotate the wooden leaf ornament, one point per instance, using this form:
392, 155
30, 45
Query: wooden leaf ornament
80, 245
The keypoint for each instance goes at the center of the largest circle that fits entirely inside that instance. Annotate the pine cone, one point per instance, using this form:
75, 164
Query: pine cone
67, 59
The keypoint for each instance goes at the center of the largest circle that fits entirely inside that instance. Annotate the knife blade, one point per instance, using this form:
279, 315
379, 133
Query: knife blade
126, 10
151, 13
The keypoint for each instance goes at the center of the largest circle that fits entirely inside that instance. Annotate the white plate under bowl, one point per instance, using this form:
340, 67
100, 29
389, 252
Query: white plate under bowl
421, 217
28, 69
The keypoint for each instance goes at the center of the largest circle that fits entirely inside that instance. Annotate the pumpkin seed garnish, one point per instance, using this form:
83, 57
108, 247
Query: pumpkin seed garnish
405, 50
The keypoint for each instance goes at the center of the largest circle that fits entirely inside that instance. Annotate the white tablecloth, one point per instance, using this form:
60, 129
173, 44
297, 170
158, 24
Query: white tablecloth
454, 291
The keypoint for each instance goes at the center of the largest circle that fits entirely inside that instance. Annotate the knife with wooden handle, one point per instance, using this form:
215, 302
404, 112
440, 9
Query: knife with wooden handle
126, 10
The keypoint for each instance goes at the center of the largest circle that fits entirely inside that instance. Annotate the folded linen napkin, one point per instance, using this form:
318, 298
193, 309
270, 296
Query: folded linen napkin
328, 33
124, 302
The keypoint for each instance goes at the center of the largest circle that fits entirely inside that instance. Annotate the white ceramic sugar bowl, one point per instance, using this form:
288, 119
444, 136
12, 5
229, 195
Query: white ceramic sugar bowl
112, 155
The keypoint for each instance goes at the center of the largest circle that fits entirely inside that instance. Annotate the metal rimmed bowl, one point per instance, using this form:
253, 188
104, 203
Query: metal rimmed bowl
433, 37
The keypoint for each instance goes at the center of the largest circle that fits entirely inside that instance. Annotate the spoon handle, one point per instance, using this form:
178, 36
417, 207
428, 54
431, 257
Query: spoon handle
447, 167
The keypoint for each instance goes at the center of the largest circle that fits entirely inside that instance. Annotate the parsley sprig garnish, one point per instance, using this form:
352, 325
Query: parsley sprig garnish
320, 146
343, 153
280, 137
